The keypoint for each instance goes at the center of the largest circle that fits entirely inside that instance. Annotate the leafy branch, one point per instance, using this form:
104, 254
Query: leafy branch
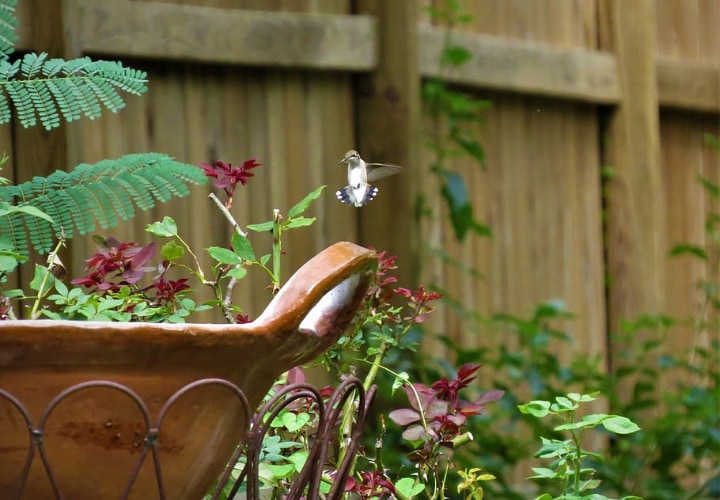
452, 112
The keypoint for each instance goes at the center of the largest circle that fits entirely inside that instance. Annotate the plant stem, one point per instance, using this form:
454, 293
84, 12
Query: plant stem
577, 461
277, 250
41, 289
375, 367
226, 301
226, 212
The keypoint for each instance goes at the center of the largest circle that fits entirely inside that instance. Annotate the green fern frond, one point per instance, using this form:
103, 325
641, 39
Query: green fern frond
91, 196
8, 23
51, 89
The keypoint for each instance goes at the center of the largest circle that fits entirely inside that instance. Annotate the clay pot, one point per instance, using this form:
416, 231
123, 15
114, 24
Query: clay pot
94, 438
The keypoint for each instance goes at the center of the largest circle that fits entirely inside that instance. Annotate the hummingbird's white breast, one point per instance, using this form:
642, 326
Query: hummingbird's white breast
357, 176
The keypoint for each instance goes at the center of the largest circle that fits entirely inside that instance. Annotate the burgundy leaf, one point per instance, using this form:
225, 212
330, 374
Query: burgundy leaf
404, 416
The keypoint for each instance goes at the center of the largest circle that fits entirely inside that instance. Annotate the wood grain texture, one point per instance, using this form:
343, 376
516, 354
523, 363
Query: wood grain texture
526, 67
540, 194
229, 36
388, 117
689, 85
688, 33
349, 43
636, 239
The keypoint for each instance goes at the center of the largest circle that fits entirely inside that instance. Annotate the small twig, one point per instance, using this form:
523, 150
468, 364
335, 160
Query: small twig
226, 212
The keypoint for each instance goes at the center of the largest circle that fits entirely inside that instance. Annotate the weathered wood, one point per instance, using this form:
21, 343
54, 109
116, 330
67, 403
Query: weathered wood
228, 36
688, 85
636, 241
337, 42
388, 117
688, 36
524, 66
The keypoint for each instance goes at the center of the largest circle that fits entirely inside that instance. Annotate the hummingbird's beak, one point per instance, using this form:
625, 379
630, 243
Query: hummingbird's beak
343, 161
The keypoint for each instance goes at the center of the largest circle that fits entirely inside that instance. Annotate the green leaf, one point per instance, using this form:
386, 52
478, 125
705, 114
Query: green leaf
471, 146
265, 258
224, 256
40, 274
537, 409
303, 204
293, 422
455, 193
573, 426
712, 141
620, 425
164, 229
243, 247
399, 381
564, 402
172, 251
543, 472
688, 249
299, 222
61, 288
238, 272
299, 458
7, 209
262, 227
408, 487
9, 261
282, 471
455, 55
712, 188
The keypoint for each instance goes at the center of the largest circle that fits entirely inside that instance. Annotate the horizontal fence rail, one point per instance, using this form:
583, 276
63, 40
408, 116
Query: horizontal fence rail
350, 43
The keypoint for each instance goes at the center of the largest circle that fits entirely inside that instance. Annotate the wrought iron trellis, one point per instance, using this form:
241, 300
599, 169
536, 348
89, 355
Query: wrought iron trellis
307, 483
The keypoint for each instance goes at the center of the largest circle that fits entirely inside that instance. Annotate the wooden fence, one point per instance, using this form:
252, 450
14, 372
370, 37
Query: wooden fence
575, 85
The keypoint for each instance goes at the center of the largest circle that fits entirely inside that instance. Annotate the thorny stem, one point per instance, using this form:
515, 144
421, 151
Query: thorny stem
226, 212
226, 303
226, 299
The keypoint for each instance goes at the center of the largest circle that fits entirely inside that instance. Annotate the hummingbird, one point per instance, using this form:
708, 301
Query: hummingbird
358, 192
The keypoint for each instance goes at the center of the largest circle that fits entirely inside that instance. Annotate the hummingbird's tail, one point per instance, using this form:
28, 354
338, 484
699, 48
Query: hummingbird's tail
356, 197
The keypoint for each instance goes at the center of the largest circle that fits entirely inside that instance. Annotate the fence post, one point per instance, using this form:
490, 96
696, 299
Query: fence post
636, 229
388, 131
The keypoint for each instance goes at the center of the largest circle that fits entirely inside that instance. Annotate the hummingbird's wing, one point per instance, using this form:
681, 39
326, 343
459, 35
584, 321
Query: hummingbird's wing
377, 171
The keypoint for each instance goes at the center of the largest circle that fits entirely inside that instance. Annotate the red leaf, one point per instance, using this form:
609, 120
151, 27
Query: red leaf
404, 416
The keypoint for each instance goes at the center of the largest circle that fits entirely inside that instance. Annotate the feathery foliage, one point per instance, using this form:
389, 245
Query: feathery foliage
8, 22
49, 90
91, 194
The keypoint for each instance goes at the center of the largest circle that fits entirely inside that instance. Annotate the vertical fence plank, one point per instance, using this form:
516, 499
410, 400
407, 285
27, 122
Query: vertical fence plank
636, 241
388, 117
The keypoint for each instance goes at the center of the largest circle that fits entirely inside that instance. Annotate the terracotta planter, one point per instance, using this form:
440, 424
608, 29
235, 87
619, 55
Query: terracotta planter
94, 438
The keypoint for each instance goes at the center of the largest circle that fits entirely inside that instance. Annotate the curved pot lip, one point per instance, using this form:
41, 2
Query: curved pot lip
301, 292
